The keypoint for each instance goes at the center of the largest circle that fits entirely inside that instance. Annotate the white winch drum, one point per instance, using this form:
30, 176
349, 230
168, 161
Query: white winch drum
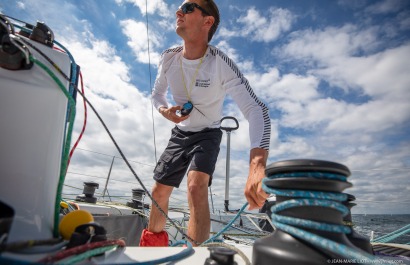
32, 131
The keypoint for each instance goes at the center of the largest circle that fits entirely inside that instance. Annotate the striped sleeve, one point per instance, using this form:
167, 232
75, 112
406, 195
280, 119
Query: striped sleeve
254, 110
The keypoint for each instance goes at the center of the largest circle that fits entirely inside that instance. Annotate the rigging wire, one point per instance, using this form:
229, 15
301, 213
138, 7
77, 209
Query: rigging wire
150, 82
95, 152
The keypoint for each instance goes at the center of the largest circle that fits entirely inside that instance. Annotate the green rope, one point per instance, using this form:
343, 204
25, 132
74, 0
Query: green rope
88, 254
67, 144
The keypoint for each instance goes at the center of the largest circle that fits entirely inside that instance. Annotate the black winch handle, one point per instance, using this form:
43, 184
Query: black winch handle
228, 129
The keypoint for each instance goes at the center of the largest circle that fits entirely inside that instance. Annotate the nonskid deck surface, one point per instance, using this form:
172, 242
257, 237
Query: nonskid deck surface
392, 249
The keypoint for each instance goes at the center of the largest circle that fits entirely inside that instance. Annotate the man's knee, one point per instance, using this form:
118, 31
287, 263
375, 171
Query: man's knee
161, 192
197, 189
198, 184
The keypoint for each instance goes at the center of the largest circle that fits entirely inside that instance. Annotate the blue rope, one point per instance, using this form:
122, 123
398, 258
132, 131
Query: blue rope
305, 194
393, 235
313, 198
178, 243
307, 223
325, 243
171, 259
73, 68
212, 239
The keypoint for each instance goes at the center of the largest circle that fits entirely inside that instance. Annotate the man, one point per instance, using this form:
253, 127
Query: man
199, 76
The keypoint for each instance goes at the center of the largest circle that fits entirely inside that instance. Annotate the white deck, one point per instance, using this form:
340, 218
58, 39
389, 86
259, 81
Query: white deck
143, 254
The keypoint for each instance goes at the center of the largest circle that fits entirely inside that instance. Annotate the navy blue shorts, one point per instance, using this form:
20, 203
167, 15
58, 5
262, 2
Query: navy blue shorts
198, 150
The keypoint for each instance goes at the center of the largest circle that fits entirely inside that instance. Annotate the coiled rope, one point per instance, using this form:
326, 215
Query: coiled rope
313, 198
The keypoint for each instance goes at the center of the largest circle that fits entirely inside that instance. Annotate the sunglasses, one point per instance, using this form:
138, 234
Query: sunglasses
189, 7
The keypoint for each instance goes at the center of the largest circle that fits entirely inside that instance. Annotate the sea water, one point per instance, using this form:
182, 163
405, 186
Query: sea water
381, 224
363, 224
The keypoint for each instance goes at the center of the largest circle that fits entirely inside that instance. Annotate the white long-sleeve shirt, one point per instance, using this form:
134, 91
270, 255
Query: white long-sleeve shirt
217, 76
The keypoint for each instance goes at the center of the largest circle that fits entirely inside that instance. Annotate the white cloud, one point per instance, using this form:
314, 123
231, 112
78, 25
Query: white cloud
387, 6
138, 40
381, 76
21, 5
267, 29
261, 27
292, 87
331, 44
373, 117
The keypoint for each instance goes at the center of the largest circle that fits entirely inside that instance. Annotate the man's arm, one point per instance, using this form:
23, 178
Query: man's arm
253, 190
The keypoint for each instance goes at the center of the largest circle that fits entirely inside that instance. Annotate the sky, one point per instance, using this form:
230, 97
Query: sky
334, 74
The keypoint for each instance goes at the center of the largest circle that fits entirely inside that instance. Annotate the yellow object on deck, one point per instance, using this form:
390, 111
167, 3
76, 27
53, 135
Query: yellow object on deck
73, 219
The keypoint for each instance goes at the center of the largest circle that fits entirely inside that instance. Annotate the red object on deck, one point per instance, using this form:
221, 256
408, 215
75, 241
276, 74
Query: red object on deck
151, 239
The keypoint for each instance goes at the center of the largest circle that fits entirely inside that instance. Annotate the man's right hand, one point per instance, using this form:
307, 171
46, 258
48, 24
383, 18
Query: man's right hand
171, 114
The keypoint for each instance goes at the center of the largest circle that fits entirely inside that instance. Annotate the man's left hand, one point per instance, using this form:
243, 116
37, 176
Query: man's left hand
254, 193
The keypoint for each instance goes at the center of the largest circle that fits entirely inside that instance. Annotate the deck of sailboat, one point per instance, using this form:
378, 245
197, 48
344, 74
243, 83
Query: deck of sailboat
242, 246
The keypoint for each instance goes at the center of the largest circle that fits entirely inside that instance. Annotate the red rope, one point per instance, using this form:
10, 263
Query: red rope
81, 249
58, 49
85, 115
84, 124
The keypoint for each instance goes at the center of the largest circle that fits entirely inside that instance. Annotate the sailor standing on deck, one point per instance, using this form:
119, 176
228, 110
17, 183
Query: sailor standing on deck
199, 76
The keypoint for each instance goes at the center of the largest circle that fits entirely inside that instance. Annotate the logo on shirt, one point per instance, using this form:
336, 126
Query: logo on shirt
203, 83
